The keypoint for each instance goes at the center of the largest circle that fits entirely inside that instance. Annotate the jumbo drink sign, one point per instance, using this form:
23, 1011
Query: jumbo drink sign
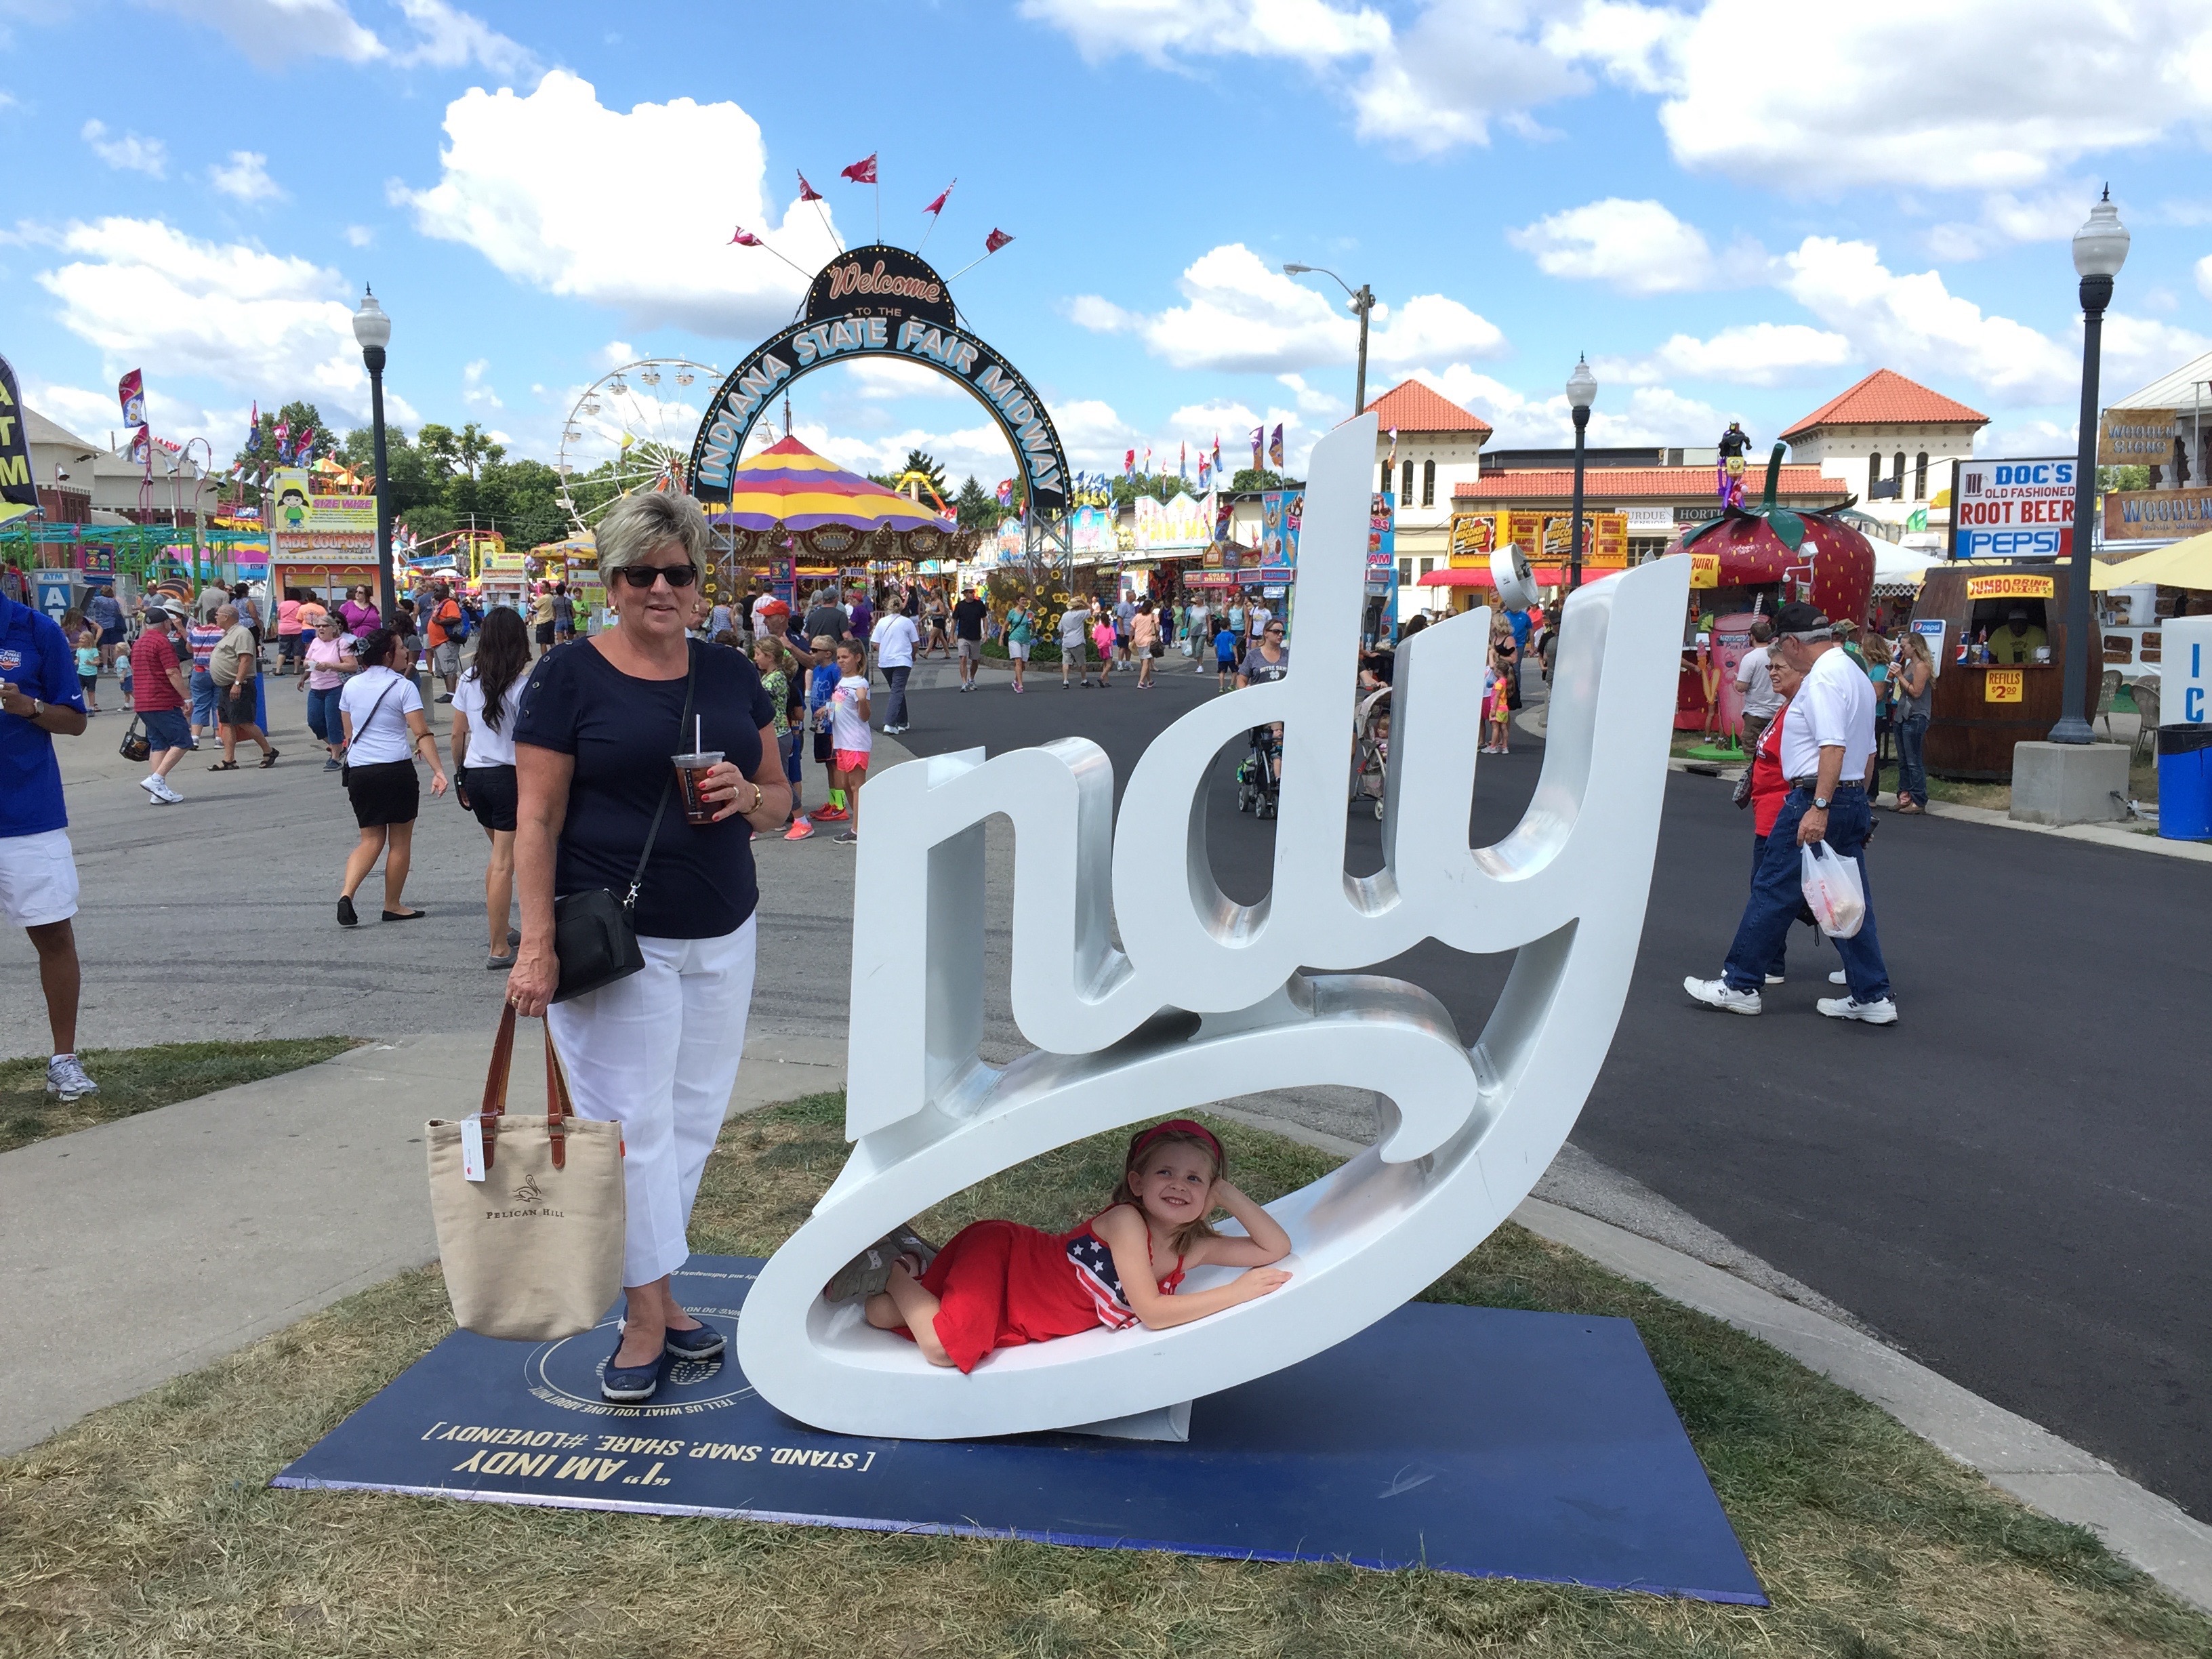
1201, 999
879, 302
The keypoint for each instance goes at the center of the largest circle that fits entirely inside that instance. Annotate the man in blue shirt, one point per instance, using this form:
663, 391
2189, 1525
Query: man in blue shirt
39, 697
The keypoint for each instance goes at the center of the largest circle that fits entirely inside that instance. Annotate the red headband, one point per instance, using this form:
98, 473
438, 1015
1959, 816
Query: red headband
1178, 1126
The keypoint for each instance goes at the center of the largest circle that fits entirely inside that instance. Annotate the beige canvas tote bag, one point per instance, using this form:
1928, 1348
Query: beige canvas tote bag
533, 1251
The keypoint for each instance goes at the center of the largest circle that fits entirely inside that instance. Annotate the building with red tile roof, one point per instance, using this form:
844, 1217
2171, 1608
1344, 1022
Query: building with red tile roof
1891, 441
1437, 449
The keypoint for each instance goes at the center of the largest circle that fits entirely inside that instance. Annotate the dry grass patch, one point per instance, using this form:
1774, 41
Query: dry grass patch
149, 1530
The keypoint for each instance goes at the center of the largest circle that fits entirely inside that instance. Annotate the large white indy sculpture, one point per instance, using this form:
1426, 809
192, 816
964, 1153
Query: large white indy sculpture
1212, 999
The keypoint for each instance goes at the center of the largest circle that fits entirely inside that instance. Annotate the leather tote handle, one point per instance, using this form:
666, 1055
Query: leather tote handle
558, 1107
494, 1094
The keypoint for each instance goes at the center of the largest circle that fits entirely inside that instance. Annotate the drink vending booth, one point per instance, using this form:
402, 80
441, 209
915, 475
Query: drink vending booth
1996, 685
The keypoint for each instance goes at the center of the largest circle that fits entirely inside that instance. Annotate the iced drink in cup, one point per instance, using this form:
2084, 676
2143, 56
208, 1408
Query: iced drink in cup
690, 779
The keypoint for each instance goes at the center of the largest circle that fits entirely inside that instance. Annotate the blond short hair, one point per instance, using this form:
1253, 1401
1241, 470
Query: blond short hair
637, 523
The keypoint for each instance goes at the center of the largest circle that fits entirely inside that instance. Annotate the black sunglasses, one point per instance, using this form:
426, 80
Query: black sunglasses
641, 575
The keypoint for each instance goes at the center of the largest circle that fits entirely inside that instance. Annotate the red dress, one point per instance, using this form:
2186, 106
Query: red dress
1000, 1284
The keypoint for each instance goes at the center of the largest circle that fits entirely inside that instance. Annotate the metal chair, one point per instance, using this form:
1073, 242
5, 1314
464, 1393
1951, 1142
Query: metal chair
2146, 697
2106, 692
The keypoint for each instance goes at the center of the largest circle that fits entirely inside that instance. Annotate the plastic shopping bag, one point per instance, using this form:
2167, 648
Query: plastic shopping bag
1833, 890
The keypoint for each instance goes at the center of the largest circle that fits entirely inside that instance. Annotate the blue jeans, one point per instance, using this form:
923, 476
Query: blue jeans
793, 769
1778, 888
895, 710
323, 714
203, 699
1775, 964
1911, 769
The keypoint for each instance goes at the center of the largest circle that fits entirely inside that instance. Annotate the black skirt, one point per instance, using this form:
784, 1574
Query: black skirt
492, 796
387, 792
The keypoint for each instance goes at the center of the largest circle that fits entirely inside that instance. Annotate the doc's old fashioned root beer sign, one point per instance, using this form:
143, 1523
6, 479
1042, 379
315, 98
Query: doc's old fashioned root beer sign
880, 302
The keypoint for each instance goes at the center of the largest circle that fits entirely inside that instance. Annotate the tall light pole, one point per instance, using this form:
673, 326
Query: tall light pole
1582, 391
1363, 301
373, 329
2101, 248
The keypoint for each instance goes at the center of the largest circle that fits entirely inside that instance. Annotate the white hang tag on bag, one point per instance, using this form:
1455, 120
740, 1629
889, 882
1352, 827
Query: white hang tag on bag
1833, 890
472, 1162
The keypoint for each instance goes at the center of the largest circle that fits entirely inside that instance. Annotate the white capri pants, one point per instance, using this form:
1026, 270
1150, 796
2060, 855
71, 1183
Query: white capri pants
658, 1052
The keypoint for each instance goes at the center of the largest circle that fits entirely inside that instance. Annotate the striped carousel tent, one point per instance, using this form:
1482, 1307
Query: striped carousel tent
788, 490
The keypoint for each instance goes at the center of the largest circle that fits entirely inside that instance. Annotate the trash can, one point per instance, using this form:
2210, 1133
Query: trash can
2184, 782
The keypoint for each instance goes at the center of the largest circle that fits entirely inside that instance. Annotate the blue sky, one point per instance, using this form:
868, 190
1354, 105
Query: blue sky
1735, 209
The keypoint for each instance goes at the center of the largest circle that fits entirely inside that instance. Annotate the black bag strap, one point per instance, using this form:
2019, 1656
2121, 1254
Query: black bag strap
690, 684
373, 707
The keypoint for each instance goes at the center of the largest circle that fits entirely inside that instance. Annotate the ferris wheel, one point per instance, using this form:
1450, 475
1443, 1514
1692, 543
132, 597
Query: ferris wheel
630, 429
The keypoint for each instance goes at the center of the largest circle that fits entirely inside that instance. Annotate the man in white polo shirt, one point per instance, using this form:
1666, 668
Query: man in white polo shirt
1827, 743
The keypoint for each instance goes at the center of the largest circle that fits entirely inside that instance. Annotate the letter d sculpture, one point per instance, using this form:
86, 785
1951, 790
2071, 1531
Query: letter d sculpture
1210, 999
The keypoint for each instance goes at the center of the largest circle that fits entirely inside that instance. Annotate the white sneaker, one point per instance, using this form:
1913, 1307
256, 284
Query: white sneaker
1839, 977
65, 1077
1881, 1012
1717, 993
164, 794
151, 785
1774, 979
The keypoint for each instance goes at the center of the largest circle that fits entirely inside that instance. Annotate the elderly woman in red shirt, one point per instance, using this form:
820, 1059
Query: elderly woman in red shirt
1769, 788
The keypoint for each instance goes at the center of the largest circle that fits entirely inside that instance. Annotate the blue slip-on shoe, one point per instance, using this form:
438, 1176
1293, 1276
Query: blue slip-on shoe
629, 1385
702, 1342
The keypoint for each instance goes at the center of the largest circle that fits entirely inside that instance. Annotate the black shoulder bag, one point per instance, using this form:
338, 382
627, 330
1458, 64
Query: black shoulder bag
593, 932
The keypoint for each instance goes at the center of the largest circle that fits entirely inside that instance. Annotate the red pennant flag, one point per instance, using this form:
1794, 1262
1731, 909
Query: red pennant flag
861, 172
806, 191
745, 239
995, 240
937, 206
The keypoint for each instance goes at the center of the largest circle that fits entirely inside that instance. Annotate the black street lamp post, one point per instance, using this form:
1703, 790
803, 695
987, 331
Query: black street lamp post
1582, 391
2101, 247
1363, 301
373, 329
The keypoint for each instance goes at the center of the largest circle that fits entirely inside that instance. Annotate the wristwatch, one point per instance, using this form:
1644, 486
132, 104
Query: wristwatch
37, 709
1820, 803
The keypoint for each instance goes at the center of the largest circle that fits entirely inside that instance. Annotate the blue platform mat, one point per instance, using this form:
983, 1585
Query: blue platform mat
1481, 1441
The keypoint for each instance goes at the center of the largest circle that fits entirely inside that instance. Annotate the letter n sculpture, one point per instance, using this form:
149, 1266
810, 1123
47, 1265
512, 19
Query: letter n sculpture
1208, 999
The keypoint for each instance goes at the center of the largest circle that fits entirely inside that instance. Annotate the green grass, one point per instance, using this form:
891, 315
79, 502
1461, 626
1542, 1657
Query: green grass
134, 1080
149, 1528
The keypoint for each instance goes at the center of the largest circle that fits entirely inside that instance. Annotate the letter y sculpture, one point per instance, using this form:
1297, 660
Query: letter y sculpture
1203, 1001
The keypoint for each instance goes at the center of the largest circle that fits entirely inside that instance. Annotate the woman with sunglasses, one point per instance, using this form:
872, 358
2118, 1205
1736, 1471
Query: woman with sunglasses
658, 1051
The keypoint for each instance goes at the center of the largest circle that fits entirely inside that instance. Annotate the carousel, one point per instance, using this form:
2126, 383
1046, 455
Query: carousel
793, 517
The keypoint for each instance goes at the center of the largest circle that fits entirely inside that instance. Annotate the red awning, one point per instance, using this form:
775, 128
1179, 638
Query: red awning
1546, 575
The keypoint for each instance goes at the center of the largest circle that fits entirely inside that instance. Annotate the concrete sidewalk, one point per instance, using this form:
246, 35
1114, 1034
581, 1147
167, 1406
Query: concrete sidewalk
196, 1228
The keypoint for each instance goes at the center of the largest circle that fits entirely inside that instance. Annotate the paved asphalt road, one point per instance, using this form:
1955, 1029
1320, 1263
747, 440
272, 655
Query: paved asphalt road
2009, 1183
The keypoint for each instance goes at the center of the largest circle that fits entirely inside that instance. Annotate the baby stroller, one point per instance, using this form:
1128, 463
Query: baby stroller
1259, 774
1370, 747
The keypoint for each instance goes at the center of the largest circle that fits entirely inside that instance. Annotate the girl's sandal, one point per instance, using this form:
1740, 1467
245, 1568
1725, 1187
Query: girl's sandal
224, 766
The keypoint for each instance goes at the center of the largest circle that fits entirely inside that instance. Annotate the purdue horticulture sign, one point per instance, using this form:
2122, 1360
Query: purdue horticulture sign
880, 302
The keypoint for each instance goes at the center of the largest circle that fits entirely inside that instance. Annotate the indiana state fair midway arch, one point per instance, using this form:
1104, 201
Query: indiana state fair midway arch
881, 302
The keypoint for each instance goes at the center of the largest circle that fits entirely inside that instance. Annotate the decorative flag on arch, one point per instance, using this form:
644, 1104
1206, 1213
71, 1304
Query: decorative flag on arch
806, 191
861, 172
1275, 445
937, 206
746, 238
997, 240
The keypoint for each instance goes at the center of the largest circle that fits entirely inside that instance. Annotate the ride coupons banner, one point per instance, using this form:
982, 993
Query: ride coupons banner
17, 487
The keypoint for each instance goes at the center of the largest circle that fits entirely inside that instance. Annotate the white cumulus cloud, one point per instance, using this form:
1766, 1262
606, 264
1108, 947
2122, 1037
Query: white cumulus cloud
1639, 247
621, 221
476, 392
1165, 32
276, 34
1747, 354
246, 177
1242, 313
128, 153
149, 295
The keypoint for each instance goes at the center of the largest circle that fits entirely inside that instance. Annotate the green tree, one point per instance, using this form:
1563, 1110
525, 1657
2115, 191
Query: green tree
259, 461
2123, 477
977, 507
1249, 479
922, 461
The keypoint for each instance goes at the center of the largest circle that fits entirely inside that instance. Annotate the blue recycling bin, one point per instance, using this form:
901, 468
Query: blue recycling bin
2184, 782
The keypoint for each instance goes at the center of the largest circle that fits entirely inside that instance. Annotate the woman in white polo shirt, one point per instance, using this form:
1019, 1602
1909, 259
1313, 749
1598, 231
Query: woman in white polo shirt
382, 714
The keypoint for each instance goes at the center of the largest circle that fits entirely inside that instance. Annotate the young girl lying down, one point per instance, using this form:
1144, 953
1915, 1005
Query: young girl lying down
999, 1284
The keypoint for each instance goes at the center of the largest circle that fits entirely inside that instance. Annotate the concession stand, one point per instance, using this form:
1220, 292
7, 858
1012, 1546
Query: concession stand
1981, 710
